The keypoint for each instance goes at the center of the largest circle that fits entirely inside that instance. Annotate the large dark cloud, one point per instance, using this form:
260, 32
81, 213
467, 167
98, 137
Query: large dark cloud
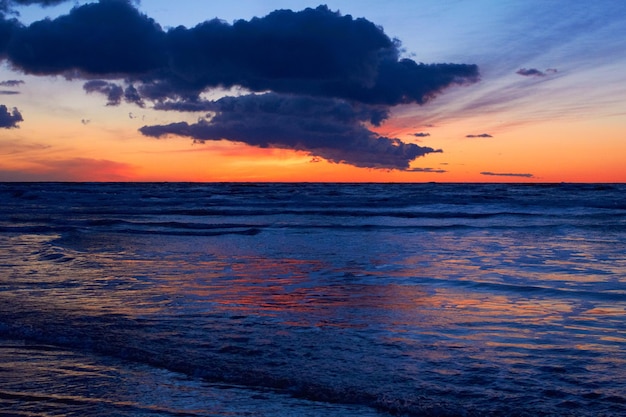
314, 56
9, 119
110, 38
315, 52
286, 51
7, 29
330, 128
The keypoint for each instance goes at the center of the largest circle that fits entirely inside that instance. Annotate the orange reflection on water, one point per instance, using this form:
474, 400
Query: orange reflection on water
313, 293
384, 300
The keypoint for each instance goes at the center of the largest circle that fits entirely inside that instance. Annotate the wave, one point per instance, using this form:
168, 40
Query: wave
617, 295
217, 362
223, 368
228, 367
206, 219
55, 401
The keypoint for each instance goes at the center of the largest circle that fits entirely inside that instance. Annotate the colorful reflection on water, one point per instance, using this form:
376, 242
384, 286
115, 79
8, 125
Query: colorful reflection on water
415, 320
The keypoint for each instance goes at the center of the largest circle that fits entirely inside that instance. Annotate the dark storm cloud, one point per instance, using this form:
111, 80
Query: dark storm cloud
421, 134
482, 135
9, 119
328, 128
110, 38
315, 52
315, 56
498, 174
7, 28
305, 52
289, 105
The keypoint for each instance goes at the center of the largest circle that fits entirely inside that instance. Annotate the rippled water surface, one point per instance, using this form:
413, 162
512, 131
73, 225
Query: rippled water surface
313, 299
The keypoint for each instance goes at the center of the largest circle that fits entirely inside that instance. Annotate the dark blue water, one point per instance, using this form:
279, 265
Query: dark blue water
312, 299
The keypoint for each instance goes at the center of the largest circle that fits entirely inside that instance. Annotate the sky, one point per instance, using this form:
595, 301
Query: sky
345, 90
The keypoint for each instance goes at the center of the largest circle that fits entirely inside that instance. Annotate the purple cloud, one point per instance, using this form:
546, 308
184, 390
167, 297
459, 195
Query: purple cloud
6, 5
429, 170
499, 174
311, 60
482, 135
328, 128
11, 83
9, 119
531, 72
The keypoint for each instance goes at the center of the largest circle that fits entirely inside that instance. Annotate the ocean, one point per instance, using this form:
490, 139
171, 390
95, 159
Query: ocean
306, 299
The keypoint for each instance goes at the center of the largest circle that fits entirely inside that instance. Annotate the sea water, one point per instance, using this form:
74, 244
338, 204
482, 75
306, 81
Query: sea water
188, 299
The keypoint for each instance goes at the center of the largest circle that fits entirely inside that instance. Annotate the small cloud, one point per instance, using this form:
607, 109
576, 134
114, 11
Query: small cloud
9, 5
482, 135
531, 72
506, 174
112, 91
430, 170
534, 72
131, 95
9, 119
11, 83
421, 134
315, 159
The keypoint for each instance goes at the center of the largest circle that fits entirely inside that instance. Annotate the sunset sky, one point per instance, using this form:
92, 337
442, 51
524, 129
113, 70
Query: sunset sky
396, 90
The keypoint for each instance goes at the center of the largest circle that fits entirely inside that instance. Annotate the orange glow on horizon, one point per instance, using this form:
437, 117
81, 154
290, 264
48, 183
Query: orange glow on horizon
559, 151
